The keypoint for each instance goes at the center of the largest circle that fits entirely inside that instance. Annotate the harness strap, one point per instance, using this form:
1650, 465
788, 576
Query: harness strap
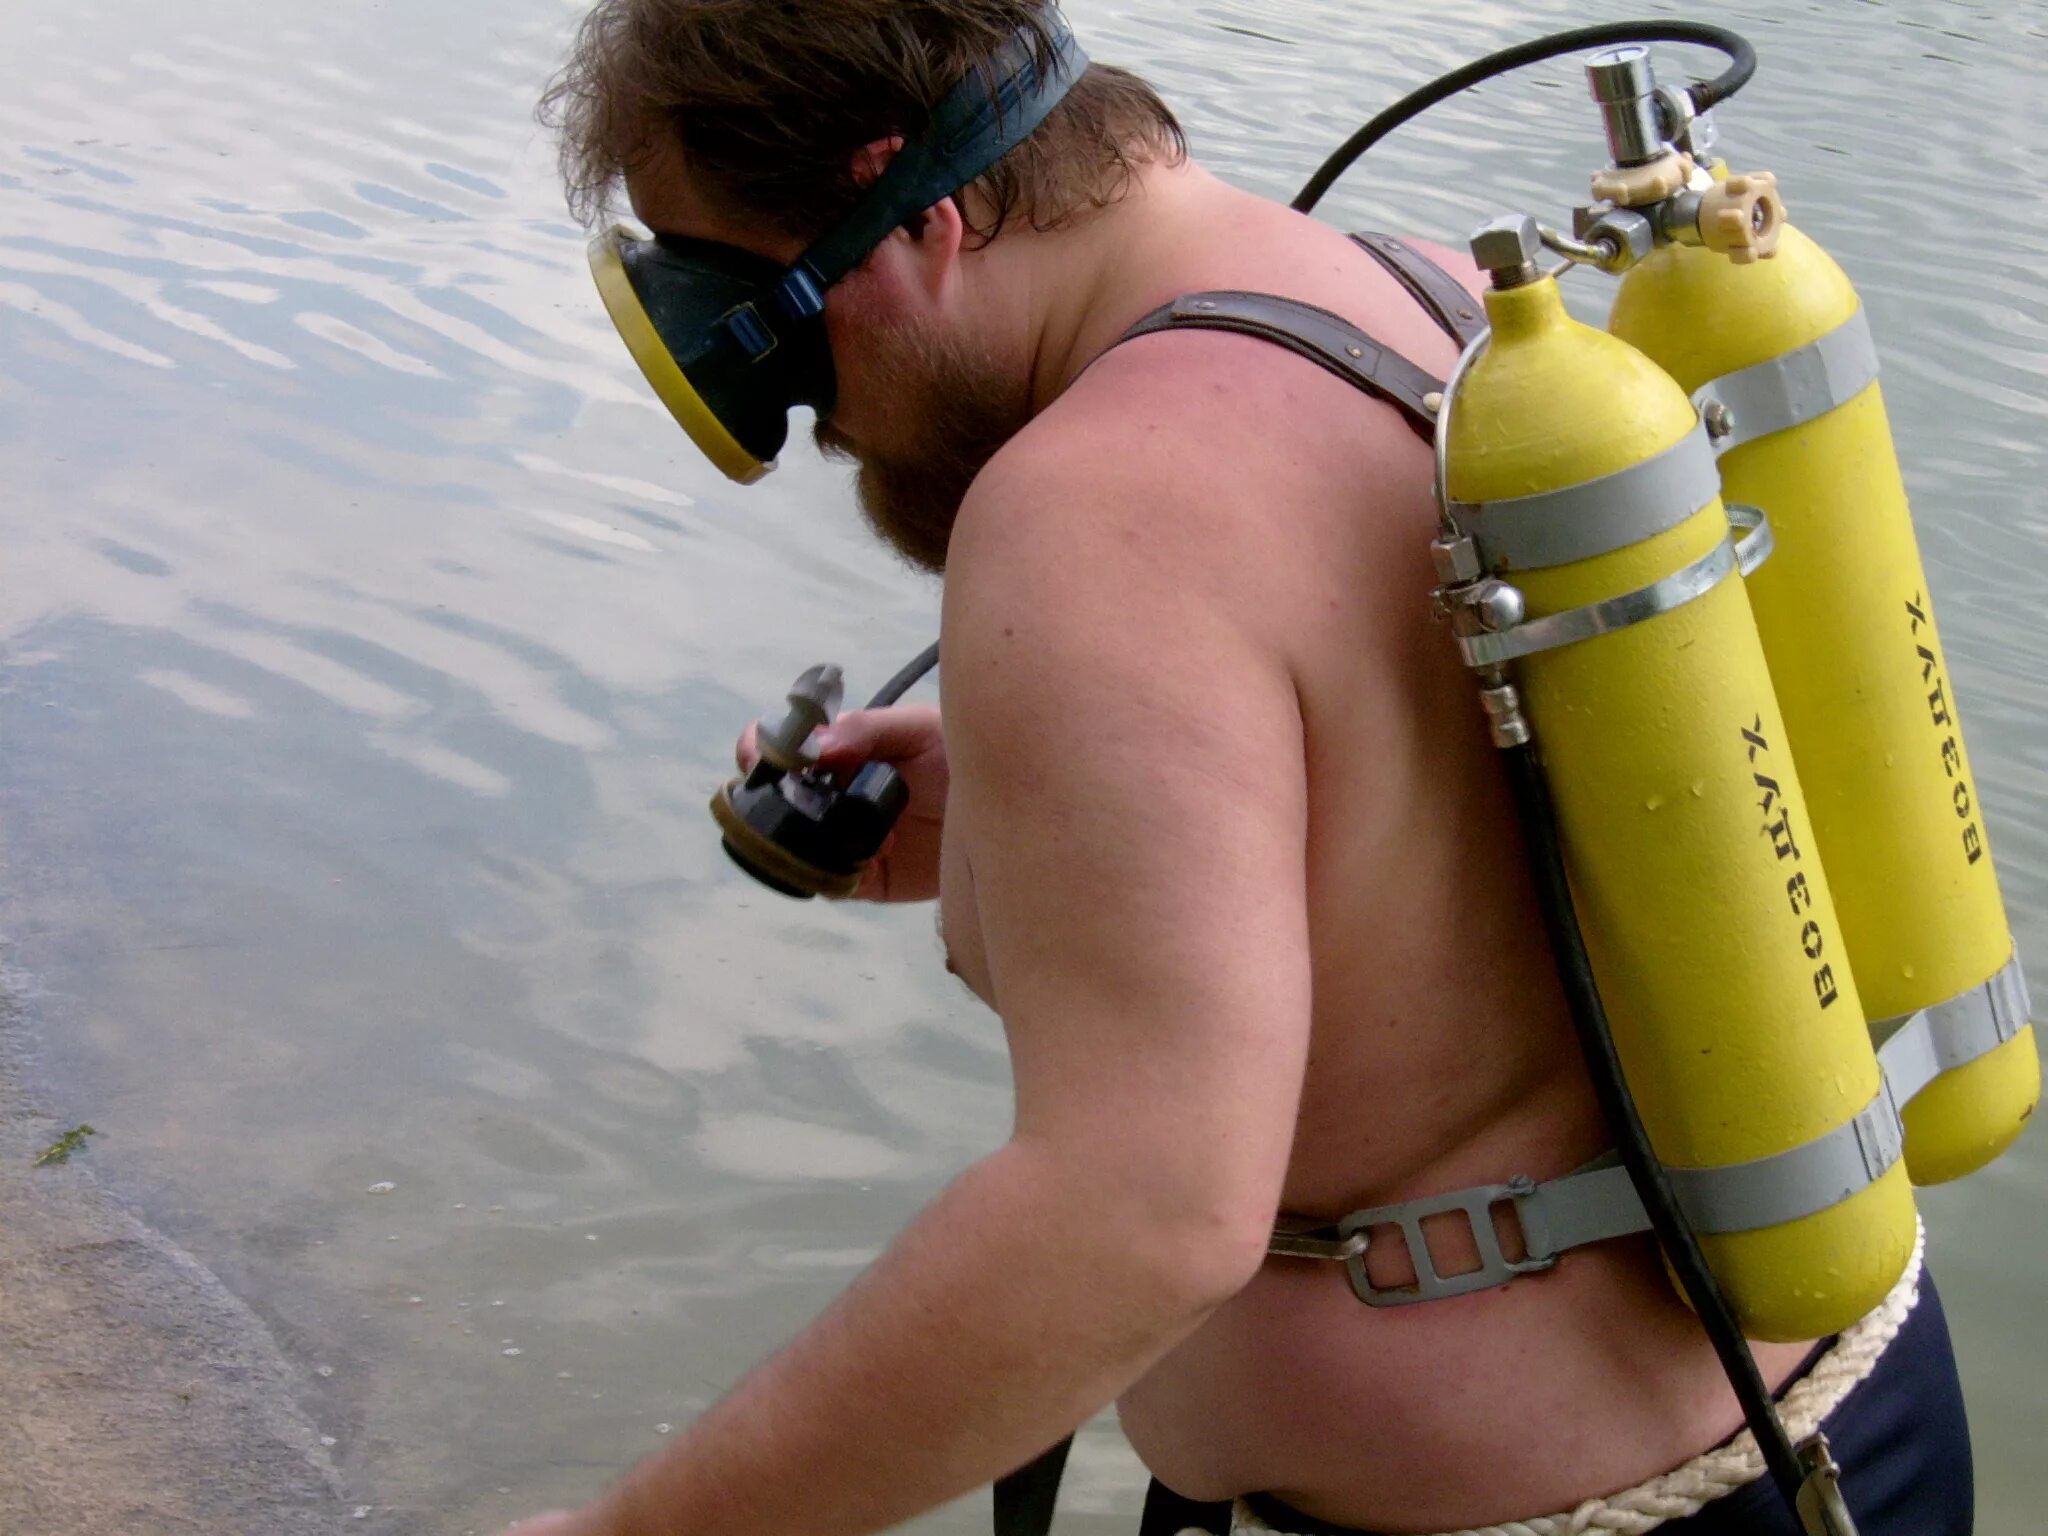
1331, 341
1449, 302
1328, 340
1597, 1202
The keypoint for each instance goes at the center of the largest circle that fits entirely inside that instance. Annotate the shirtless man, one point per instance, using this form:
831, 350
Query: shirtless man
1224, 841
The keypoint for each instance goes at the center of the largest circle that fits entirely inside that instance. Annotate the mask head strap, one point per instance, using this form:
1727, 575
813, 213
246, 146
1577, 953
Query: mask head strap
970, 130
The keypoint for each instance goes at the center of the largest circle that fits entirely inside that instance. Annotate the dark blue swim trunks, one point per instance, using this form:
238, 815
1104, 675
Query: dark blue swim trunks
1900, 1436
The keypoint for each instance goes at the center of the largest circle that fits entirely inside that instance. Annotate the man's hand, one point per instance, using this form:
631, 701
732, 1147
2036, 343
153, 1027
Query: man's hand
908, 738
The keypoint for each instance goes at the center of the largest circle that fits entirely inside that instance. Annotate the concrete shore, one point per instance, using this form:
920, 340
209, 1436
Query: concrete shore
138, 1396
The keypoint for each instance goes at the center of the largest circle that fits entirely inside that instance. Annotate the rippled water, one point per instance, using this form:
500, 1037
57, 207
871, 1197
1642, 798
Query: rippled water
372, 643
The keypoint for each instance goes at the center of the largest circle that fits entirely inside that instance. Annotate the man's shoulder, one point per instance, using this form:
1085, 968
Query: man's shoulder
1109, 555
1212, 466
1122, 497
1105, 600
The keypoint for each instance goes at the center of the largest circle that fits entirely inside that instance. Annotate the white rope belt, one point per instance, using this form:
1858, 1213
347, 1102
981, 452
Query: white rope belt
1688, 1489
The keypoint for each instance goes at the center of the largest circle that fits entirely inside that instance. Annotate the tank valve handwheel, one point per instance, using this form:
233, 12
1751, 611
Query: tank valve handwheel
1636, 186
1742, 216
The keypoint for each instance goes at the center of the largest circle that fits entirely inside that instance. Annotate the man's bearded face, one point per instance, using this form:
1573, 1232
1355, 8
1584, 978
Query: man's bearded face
952, 407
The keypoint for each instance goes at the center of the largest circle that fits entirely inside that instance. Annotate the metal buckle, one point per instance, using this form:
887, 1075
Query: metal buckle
746, 327
1495, 1267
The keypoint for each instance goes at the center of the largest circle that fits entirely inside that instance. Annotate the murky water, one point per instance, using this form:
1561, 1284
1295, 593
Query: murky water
372, 643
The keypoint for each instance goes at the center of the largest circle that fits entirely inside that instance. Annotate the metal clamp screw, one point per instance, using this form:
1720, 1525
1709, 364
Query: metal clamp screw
1496, 605
1719, 419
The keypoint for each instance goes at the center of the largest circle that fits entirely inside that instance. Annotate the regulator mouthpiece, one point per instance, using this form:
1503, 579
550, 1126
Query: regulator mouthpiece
813, 699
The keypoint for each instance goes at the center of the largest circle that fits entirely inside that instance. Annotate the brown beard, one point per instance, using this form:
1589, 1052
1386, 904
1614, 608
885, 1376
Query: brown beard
962, 410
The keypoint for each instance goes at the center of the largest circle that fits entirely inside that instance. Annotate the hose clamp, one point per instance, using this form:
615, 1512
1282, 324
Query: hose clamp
1789, 391
1488, 635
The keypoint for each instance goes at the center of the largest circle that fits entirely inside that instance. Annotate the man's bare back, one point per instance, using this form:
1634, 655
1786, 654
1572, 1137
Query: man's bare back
1440, 1055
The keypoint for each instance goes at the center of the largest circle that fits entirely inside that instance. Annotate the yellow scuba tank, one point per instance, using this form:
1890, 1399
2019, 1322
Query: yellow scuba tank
1581, 473
1779, 354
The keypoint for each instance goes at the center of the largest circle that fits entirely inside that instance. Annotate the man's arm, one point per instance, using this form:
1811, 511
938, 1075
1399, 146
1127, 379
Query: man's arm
1128, 785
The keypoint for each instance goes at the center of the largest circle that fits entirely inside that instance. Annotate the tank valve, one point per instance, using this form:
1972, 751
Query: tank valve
1506, 248
1741, 217
1646, 168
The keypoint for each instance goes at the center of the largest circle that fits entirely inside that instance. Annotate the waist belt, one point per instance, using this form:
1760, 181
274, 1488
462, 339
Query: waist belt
1597, 1201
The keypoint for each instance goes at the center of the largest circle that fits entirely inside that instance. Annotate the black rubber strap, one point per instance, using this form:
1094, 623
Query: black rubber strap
1449, 302
1024, 1500
1171, 1514
1316, 334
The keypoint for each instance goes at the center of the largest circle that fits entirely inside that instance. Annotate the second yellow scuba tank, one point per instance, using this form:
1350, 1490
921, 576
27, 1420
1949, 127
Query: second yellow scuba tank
1578, 469
1778, 353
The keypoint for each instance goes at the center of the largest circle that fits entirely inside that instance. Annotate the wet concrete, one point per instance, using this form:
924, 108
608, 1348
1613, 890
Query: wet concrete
137, 1395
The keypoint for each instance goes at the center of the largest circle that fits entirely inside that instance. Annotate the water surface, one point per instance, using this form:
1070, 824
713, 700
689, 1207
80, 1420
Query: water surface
372, 642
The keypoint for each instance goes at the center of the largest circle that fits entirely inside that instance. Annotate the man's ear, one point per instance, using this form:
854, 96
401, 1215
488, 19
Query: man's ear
926, 247
870, 160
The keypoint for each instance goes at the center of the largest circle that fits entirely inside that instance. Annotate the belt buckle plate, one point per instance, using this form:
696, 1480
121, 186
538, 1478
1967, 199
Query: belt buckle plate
1477, 1205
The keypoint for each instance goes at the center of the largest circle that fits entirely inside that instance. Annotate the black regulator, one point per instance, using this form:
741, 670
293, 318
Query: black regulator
801, 829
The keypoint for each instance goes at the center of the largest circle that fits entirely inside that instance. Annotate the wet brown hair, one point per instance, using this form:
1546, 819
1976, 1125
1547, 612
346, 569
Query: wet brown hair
769, 100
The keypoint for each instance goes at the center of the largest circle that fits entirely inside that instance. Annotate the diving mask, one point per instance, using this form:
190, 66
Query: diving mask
732, 342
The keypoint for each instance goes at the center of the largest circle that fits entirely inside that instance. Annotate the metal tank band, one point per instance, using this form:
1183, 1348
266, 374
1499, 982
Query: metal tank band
1594, 517
1923, 1046
1578, 522
1801, 386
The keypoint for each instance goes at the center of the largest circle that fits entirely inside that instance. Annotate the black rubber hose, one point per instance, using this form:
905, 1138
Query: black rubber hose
1705, 93
1589, 1019
907, 679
